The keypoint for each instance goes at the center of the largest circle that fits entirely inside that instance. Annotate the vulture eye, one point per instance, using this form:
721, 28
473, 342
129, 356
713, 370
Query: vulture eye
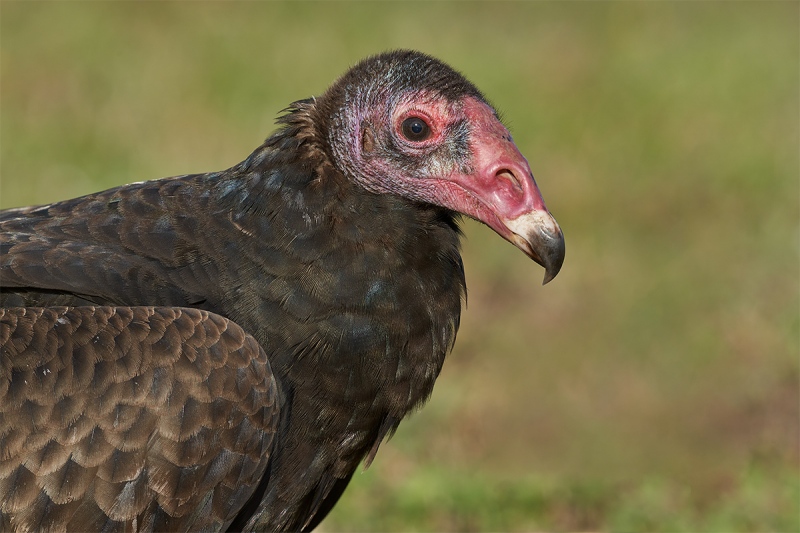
415, 129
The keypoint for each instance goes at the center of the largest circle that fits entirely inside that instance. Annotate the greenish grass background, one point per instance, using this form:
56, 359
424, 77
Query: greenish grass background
653, 386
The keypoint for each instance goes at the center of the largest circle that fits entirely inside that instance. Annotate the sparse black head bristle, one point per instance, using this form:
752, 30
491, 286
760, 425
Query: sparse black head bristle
408, 70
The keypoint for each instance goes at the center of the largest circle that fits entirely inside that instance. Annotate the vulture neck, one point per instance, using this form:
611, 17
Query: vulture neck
367, 289
369, 285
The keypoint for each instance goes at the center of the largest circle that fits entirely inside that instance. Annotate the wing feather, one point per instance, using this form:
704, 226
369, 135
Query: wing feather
127, 245
111, 418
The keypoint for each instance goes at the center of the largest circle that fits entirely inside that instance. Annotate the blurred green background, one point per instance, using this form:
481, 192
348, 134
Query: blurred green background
653, 386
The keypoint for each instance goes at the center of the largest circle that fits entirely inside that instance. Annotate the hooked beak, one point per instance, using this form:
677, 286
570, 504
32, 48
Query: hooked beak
504, 195
523, 220
538, 235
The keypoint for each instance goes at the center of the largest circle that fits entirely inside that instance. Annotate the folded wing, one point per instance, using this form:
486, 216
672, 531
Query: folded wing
130, 418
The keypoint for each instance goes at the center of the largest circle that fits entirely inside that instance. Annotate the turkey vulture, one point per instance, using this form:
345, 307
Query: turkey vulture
220, 351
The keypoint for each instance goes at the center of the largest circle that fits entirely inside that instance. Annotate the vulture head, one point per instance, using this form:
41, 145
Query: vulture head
405, 123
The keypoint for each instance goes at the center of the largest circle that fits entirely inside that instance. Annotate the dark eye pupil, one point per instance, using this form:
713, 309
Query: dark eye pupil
415, 129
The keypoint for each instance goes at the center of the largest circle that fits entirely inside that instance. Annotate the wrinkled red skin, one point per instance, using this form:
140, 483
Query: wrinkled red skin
501, 185
498, 186
497, 180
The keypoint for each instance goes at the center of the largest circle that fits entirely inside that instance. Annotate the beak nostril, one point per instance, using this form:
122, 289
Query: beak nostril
506, 174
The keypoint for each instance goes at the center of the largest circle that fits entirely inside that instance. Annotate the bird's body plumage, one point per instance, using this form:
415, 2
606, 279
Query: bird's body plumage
344, 299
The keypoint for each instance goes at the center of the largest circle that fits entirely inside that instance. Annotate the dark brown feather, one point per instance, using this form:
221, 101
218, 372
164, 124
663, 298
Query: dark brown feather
112, 458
